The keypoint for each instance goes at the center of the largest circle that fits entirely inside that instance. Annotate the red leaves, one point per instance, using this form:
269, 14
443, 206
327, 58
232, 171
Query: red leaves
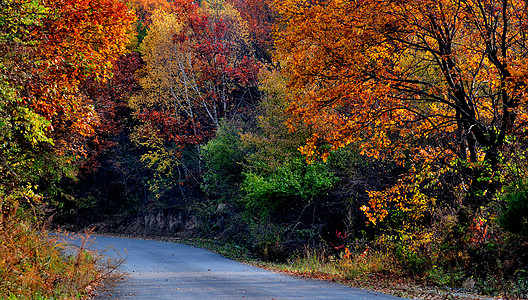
341, 235
124, 80
208, 35
260, 18
184, 8
247, 71
171, 127
479, 231
219, 69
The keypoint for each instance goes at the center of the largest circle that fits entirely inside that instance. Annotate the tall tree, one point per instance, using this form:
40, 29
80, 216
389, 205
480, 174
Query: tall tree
48, 48
77, 39
197, 71
437, 81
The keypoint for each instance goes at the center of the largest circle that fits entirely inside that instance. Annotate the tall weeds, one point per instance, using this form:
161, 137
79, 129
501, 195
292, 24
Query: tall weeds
348, 264
35, 265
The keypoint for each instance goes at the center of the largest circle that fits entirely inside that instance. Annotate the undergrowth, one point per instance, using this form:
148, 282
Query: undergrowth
35, 264
346, 265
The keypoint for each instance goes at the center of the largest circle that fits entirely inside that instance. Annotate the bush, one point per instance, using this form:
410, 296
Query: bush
514, 218
289, 186
33, 265
223, 163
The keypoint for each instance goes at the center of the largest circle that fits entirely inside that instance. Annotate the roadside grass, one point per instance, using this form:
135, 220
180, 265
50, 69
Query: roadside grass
375, 270
343, 266
370, 269
366, 268
34, 264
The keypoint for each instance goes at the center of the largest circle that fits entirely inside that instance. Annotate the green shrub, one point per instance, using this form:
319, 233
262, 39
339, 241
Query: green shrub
446, 277
288, 186
410, 257
267, 240
223, 162
514, 218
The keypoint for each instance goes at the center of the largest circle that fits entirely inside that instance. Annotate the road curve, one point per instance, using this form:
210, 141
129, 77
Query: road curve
164, 270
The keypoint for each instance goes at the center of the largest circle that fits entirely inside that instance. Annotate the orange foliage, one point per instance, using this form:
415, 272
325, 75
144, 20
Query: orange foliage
76, 39
433, 81
386, 73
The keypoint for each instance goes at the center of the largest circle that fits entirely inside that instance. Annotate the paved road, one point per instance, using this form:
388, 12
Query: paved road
163, 270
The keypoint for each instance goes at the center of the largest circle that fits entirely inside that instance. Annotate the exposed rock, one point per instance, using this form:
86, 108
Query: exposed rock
166, 223
469, 284
221, 207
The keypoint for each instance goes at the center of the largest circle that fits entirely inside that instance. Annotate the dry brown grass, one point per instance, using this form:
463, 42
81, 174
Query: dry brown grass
34, 264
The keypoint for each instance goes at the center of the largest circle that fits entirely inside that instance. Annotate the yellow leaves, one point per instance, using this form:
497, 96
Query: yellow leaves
161, 56
36, 128
310, 149
376, 211
405, 199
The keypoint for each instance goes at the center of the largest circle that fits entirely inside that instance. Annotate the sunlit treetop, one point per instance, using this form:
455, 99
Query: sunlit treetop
387, 73
76, 39
438, 86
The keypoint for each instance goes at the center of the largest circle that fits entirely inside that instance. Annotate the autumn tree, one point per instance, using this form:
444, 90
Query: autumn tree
260, 18
110, 104
439, 86
198, 70
440, 81
76, 40
200, 58
110, 179
49, 48
144, 10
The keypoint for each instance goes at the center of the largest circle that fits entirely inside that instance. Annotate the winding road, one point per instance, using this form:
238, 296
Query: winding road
164, 270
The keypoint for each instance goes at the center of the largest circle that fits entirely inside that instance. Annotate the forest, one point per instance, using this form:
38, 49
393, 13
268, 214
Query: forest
375, 137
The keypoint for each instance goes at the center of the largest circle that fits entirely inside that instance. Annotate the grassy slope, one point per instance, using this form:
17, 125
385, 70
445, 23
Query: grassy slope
35, 265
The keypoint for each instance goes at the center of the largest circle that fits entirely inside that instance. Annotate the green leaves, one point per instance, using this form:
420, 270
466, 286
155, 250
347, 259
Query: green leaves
35, 127
285, 187
17, 18
514, 217
224, 159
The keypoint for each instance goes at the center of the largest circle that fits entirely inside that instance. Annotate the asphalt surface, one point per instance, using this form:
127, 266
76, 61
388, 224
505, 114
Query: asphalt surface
164, 270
